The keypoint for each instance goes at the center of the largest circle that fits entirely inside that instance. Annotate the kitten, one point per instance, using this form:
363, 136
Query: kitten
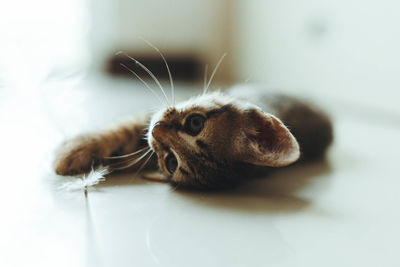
211, 141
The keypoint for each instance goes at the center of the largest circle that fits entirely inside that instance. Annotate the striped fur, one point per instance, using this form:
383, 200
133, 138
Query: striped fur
238, 135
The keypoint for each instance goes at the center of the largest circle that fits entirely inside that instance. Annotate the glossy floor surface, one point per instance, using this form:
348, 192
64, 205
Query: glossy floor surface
343, 211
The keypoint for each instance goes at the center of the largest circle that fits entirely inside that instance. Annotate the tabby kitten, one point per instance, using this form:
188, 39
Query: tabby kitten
211, 141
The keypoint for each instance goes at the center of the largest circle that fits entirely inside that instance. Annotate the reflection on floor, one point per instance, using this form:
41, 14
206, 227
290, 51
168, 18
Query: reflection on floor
342, 211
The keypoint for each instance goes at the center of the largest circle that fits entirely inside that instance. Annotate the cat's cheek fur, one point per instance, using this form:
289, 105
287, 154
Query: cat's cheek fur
266, 141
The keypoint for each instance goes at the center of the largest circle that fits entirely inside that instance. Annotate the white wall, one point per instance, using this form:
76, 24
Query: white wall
174, 26
347, 49
39, 39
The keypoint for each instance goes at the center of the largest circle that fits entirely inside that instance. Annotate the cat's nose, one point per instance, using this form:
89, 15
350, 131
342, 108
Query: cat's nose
158, 130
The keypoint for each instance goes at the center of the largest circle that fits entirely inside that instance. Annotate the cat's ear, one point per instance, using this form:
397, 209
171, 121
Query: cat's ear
266, 141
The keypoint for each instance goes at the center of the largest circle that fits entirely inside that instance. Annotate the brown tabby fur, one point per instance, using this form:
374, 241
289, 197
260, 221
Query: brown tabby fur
241, 131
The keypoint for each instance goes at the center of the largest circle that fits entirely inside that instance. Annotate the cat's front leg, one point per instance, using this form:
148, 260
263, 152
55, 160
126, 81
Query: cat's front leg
81, 153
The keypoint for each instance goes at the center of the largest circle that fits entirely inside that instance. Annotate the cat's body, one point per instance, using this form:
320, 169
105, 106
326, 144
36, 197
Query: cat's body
214, 140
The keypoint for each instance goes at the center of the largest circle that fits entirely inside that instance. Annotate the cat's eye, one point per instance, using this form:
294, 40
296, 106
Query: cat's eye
171, 163
194, 124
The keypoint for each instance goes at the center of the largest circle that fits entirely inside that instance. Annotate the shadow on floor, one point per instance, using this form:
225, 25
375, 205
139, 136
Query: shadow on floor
278, 192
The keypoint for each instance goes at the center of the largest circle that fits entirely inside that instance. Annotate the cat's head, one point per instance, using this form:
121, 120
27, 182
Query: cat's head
204, 141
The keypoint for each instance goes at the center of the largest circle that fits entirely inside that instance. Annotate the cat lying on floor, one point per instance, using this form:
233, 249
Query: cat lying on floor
210, 141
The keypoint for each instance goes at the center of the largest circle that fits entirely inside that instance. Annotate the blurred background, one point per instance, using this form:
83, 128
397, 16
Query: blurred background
61, 75
344, 50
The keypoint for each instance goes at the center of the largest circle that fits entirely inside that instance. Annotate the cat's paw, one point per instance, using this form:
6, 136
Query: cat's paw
78, 156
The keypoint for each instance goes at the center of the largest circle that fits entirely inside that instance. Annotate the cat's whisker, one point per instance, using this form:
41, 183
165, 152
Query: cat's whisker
205, 78
126, 155
148, 87
145, 138
144, 154
150, 73
122, 162
133, 162
144, 164
168, 69
214, 71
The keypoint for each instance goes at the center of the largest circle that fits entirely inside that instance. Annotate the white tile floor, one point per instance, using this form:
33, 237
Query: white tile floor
341, 212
